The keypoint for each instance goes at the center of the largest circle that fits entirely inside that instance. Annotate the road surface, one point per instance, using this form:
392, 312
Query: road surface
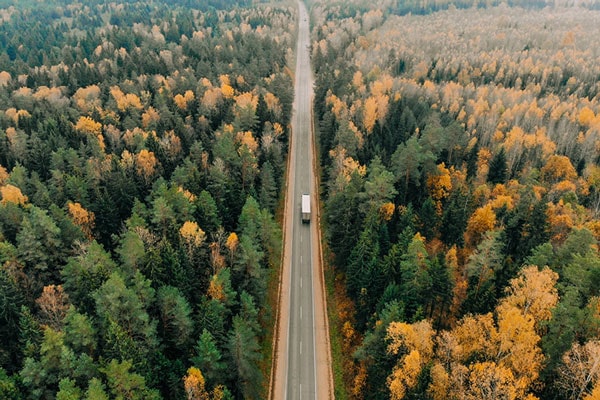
302, 361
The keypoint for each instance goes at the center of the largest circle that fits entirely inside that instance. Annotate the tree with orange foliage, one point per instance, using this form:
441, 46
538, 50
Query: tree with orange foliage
12, 194
125, 101
414, 342
194, 385
53, 304
3, 175
150, 117
146, 164
82, 217
558, 168
370, 114
562, 218
88, 125
232, 245
497, 356
182, 101
586, 116
481, 221
386, 211
226, 89
439, 185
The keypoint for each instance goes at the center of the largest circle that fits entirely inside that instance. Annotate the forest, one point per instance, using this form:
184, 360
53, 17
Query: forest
142, 156
459, 147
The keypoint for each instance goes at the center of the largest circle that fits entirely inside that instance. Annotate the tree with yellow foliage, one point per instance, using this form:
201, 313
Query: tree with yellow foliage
88, 125
414, 343
12, 194
182, 101
194, 385
146, 163
439, 185
192, 235
558, 168
226, 89
481, 221
125, 101
82, 217
232, 245
497, 355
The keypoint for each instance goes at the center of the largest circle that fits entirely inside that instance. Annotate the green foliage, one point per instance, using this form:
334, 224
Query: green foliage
343, 219
38, 245
207, 214
9, 389
80, 333
364, 285
410, 161
123, 383
244, 350
373, 350
498, 172
67, 390
85, 273
483, 266
96, 390
175, 316
11, 300
30, 332
130, 333
150, 161
208, 358
55, 367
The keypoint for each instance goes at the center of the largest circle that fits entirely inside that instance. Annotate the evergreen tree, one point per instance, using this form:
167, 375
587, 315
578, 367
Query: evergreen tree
85, 273
244, 351
208, 358
176, 323
373, 352
96, 390
9, 389
363, 266
268, 187
207, 214
498, 172
126, 384
39, 246
343, 219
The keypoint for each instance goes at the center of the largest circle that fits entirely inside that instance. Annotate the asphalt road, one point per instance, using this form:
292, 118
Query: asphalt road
301, 375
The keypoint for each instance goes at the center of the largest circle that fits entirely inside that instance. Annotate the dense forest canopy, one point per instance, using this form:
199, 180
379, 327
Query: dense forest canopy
142, 151
460, 150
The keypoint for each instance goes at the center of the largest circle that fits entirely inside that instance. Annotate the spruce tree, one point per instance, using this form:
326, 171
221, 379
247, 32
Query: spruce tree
498, 172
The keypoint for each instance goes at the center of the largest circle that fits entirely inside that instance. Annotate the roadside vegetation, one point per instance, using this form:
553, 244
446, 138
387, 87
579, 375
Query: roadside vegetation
460, 146
142, 155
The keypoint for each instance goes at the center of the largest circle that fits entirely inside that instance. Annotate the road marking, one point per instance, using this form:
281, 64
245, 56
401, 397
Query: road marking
300, 259
300, 282
300, 312
301, 347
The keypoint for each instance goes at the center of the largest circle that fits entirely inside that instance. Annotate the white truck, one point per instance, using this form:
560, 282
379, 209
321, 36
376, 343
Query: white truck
305, 208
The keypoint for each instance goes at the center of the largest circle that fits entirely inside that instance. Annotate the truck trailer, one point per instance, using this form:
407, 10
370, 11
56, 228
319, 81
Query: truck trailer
305, 208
